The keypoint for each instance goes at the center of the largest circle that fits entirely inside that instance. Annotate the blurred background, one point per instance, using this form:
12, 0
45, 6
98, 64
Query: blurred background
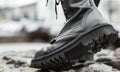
28, 25
32, 20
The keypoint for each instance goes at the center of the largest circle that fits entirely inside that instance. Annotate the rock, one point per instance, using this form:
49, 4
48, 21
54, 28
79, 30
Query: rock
10, 62
6, 58
19, 63
16, 63
115, 64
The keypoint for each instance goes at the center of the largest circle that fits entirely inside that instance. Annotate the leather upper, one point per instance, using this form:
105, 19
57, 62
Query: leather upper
82, 16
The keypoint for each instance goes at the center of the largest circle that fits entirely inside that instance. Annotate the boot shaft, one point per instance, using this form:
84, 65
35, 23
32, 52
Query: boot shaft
70, 7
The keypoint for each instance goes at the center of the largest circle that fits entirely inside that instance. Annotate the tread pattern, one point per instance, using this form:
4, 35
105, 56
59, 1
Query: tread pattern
103, 42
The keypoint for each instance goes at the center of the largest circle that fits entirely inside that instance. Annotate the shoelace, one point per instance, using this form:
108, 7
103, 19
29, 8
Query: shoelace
56, 4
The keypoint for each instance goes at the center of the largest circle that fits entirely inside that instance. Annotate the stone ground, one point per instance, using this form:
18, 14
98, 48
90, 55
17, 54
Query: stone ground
15, 59
15, 64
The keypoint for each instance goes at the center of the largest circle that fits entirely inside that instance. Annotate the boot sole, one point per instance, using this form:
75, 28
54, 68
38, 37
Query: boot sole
64, 58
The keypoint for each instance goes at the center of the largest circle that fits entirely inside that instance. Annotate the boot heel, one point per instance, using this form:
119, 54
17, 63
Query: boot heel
100, 38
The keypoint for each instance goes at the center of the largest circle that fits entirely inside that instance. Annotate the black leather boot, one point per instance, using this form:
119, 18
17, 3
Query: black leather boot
85, 33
